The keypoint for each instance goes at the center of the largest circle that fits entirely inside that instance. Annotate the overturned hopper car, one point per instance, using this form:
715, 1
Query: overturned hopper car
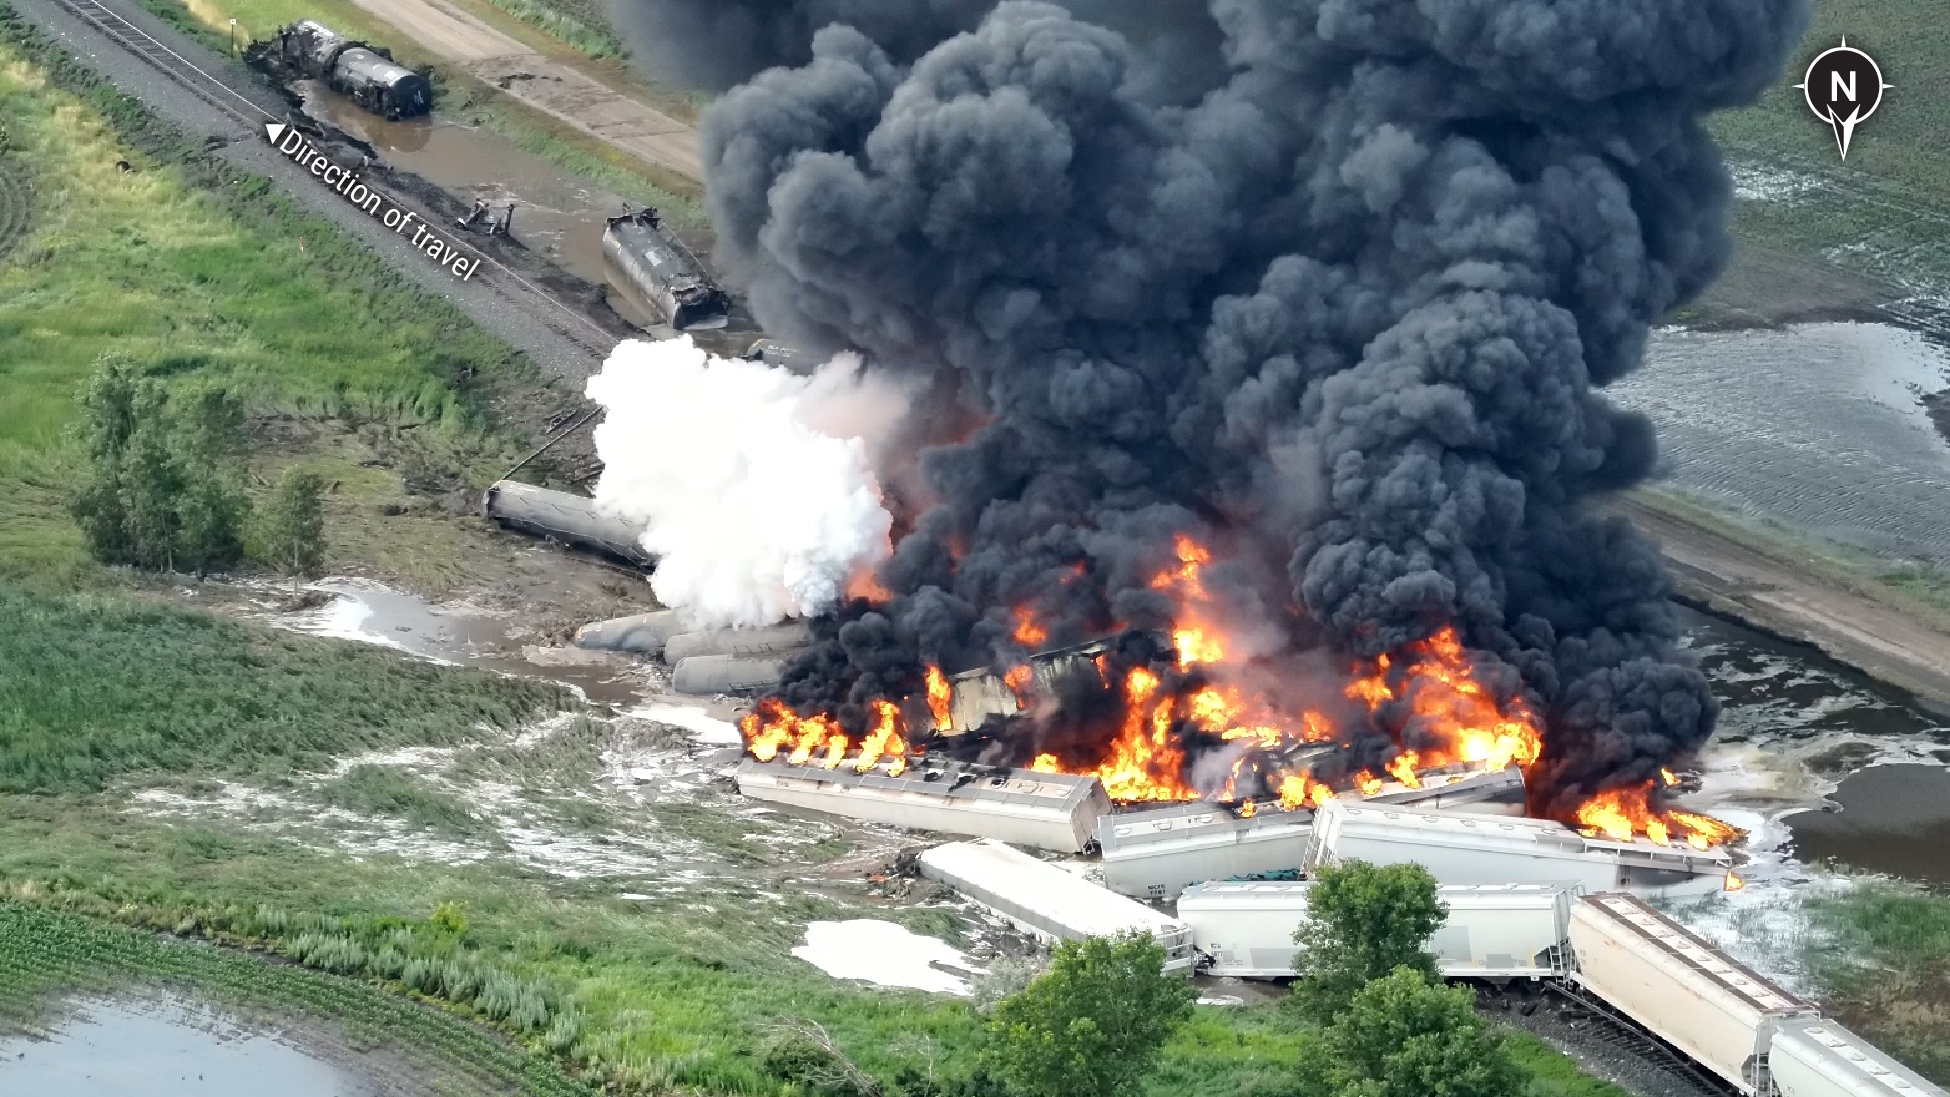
366, 74
564, 518
662, 271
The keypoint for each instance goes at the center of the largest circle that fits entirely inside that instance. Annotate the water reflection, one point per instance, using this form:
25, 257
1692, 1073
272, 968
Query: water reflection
164, 1049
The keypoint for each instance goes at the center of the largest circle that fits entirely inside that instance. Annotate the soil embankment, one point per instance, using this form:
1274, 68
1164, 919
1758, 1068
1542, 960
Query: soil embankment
1718, 574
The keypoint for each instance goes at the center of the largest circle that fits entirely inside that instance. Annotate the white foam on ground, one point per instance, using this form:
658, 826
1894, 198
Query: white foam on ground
692, 718
884, 954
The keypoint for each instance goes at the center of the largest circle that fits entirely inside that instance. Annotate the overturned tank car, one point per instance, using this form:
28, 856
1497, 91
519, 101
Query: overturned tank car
366, 74
662, 271
564, 518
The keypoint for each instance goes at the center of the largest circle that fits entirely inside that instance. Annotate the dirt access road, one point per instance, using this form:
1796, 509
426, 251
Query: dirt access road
549, 86
1729, 579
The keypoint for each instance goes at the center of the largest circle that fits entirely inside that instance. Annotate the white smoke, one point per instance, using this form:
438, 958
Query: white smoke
753, 486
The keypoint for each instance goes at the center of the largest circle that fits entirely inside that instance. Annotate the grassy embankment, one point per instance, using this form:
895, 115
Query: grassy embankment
462, 98
200, 274
1918, 589
45, 952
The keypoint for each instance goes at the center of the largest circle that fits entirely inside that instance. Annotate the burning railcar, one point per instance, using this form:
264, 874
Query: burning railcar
1175, 714
662, 271
362, 72
1052, 811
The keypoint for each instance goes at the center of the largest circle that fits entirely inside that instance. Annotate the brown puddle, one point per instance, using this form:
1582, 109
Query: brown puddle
557, 215
1892, 819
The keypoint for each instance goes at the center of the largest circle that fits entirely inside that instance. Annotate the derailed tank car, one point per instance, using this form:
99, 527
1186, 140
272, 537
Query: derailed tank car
564, 518
366, 74
662, 271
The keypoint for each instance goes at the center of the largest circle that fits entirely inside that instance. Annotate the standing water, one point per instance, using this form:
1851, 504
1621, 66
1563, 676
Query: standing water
166, 1050
1820, 427
557, 215
1802, 744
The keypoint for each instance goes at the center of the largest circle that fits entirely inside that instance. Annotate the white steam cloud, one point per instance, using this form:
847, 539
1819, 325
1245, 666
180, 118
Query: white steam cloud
754, 486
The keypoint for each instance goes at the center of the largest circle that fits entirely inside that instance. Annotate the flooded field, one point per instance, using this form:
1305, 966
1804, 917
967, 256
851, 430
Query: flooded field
166, 1049
1819, 426
1819, 763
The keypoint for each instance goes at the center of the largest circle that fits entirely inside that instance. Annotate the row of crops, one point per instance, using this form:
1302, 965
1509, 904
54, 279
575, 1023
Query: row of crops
44, 951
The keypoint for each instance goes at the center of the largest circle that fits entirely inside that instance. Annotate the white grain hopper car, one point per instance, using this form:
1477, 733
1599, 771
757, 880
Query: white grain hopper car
1496, 931
1049, 901
1815, 1057
1460, 848
1680, 988
1156, 854
1050, 810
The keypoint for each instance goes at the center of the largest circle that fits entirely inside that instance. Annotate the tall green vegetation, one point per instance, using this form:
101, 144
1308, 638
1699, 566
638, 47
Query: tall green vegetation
1092, 1025
165, 475
95, 687
1363, 922
289, 534
1403, 1036
1881, 955
1387, 1026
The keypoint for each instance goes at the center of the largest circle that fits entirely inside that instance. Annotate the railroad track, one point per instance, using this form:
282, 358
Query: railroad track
1610, 1027
167, 61
184, 72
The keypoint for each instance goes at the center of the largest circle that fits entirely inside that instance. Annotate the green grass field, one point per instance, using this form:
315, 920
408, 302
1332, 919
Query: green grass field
83, 699
1884, 963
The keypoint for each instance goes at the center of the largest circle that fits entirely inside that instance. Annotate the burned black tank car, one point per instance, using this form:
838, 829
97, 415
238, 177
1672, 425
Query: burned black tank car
662, 271
364, 73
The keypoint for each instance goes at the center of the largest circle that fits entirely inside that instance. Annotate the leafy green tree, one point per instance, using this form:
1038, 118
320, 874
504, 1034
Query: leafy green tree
1363, 921
107, 424
1403, 1036
1092, 1025
290, 533
207, 444
165, 479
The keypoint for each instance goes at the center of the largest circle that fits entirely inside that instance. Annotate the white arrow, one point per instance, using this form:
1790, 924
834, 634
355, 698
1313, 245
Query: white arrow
275, 130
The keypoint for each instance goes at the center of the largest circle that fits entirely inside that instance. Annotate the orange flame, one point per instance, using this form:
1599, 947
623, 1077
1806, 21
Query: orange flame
1734, 882
940, 699
885, 738
863, 583
1622, 814
1403, 769
1144, 761
1426, 693
1028, 633
1020, 681
1247, 810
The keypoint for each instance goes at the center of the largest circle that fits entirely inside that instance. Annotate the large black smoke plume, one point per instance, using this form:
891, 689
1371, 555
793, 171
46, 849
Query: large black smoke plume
1344, 317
